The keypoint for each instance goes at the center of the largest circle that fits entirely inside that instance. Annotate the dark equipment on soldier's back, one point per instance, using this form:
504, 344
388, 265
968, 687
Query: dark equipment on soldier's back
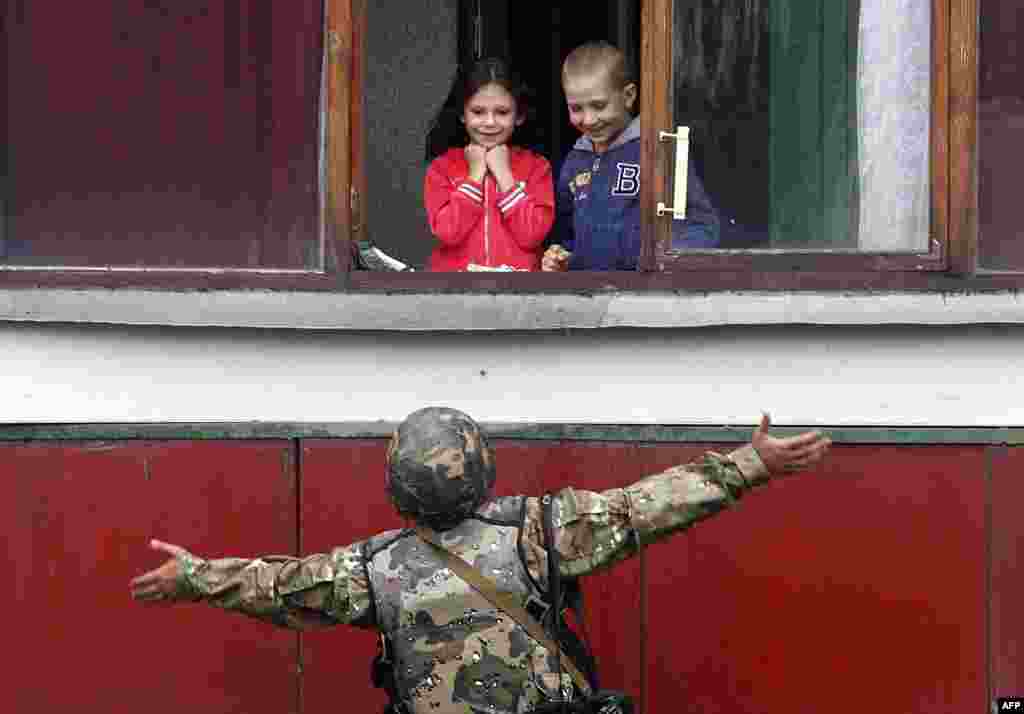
530, 618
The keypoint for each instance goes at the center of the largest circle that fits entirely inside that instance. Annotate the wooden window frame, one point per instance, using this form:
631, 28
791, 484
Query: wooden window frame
951, 265
658, 105
336, 216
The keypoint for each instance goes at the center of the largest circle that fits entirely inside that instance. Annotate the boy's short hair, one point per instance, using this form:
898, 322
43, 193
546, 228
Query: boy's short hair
592, 57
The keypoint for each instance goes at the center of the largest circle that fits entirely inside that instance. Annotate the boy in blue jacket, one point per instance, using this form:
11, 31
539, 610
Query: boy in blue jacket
598, 192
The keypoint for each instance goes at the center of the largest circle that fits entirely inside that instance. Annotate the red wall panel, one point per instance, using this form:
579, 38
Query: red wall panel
857, 587
613, 598
1007, 583
343, 500
80, 517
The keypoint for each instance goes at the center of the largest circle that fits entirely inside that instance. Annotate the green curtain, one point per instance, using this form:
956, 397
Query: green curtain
813, 174
769, 88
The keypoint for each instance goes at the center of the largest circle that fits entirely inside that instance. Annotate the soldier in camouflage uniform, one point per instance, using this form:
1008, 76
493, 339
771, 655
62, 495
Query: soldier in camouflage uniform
454, 651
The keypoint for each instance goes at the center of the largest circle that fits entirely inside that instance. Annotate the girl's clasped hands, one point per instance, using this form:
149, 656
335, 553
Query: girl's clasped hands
493, 160
490, 203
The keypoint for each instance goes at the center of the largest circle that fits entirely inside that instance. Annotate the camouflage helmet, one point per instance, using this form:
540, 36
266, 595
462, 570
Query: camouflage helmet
440, 469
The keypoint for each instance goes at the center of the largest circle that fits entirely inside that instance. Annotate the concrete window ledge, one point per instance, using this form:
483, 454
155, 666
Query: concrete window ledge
492, 312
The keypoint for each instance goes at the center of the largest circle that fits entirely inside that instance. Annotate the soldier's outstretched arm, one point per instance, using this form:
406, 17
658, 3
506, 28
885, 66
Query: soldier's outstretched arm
595, 530
297, 593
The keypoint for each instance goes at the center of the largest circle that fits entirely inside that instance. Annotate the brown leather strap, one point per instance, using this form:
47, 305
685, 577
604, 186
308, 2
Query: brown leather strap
505, 601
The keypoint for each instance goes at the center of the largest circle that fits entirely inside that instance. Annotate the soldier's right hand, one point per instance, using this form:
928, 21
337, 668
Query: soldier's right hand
163, 585
787, 455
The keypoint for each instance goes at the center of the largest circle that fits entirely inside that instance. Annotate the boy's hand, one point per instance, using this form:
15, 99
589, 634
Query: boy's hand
476, 157
161, 586
782, 456
555, 259
497, 158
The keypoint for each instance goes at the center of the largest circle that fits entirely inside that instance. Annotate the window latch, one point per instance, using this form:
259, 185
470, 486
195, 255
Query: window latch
354, 205
682, 139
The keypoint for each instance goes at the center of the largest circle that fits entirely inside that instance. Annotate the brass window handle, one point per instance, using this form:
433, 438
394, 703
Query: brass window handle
682, 139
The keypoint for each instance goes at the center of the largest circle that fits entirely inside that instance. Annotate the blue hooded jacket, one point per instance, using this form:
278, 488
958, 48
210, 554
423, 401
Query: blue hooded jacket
599, 206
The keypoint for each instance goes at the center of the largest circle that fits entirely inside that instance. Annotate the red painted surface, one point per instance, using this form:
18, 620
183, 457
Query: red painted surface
343, 500
1007, 584
859, 587
651, 460
613, 598
79, 518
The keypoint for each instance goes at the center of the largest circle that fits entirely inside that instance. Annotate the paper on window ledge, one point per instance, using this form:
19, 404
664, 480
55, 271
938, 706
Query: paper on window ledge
477, 268
373, 258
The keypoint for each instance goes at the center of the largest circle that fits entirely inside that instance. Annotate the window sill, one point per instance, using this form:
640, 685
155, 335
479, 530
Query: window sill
418, 311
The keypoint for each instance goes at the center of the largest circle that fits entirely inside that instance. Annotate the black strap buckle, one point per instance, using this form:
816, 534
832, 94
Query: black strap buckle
537, 608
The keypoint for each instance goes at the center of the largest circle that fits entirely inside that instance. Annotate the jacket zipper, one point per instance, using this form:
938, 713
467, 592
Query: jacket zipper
487, 226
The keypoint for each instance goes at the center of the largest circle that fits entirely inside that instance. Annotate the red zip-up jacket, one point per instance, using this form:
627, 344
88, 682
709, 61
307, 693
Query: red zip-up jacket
476, 223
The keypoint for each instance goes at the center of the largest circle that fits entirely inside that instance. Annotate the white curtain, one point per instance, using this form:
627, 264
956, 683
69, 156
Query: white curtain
893, 124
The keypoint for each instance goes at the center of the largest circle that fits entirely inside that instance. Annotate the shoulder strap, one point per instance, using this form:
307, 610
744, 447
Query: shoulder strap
505, 601
565, 594
554, 578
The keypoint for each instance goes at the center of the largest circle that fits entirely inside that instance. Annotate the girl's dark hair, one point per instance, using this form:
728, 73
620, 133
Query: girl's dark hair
447, 131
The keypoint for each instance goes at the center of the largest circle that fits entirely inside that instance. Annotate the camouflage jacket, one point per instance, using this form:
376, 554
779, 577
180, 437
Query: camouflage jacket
453, 651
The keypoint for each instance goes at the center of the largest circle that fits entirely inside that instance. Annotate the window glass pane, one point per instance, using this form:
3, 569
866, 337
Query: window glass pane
162, 134
1001, 135
809, 123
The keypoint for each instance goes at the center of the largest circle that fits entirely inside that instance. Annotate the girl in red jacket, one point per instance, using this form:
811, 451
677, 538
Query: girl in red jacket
489, 203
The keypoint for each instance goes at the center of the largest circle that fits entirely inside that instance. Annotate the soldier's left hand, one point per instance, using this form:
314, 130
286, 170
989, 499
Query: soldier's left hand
161, 586
782, 456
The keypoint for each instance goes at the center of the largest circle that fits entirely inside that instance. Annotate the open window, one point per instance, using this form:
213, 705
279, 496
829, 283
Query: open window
824, 134
410, 70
